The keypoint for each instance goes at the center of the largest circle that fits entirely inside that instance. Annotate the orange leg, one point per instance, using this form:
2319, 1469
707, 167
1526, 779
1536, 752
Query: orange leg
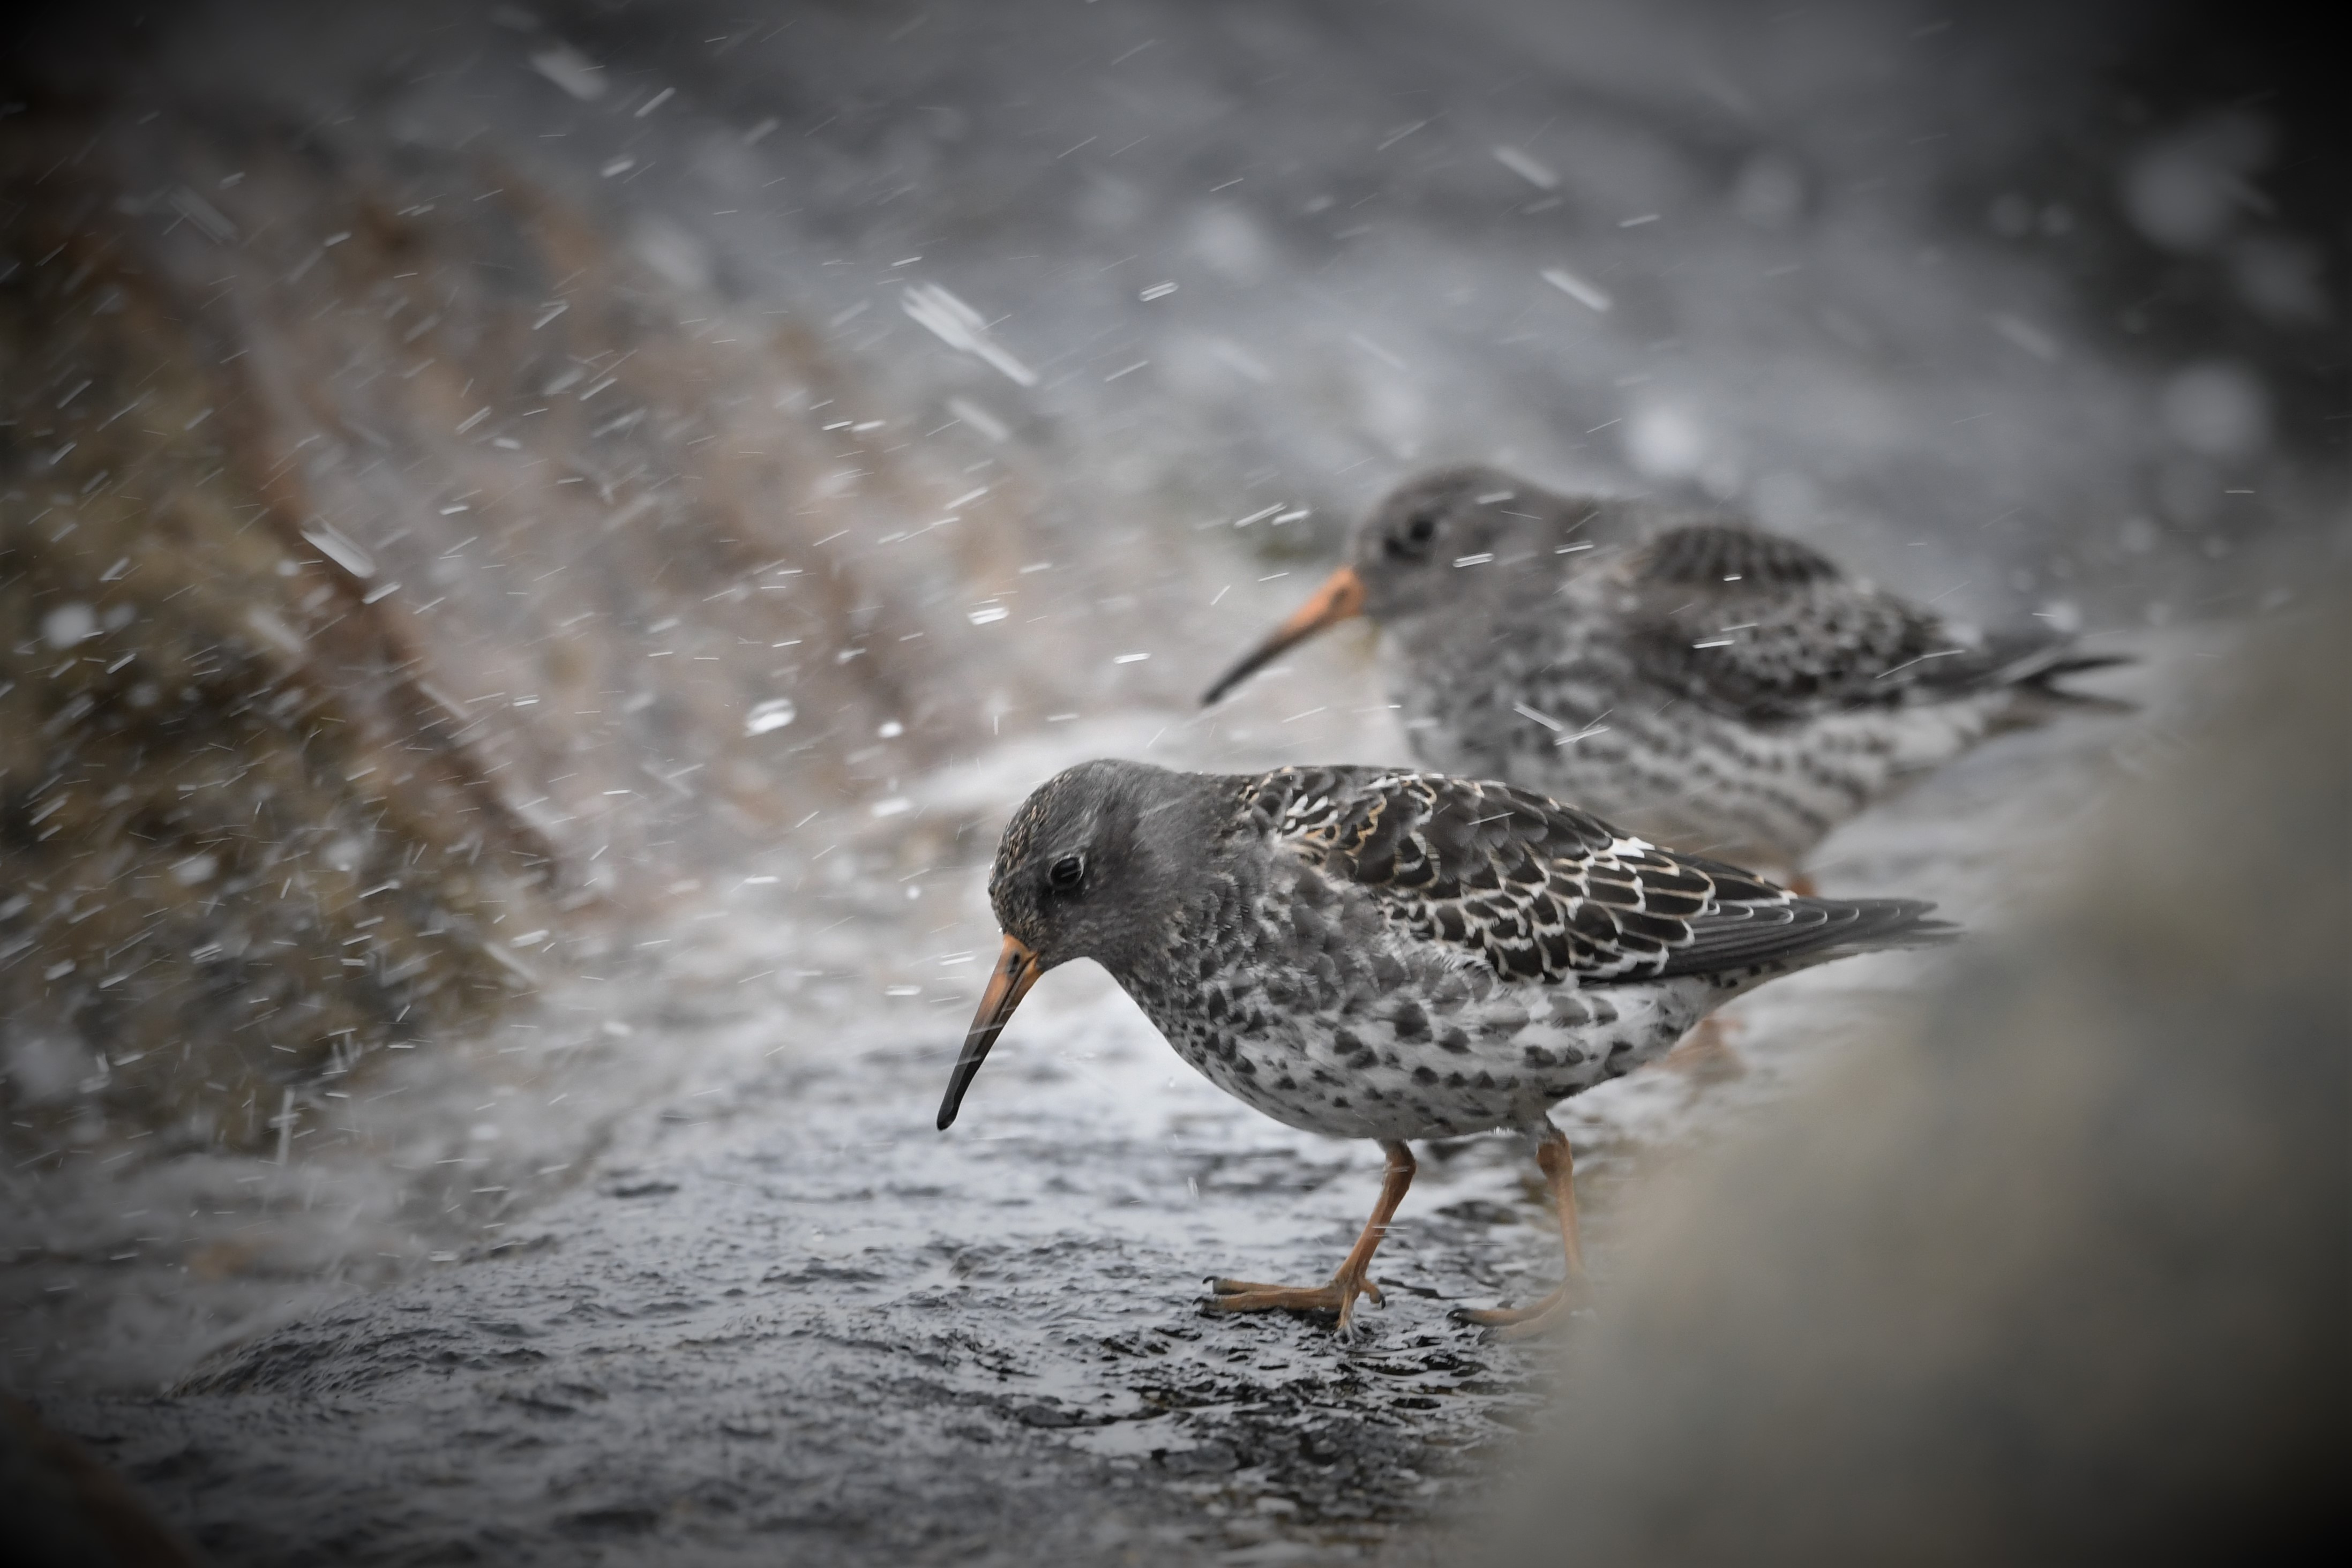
1351, 1281
1802, 884
1705, 1055
1519, 1322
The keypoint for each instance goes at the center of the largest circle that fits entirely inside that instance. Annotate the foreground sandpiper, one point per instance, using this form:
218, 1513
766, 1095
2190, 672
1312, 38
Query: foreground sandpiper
1709, 686
1366, 952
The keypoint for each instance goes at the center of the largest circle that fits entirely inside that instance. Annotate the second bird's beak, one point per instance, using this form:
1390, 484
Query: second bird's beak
1016, 970
1341, 597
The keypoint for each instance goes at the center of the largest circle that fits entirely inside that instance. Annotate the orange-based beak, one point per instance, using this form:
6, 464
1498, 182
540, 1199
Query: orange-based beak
1016, 970
1341, 597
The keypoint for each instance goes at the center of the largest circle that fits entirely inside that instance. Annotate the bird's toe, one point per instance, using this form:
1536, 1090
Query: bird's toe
1249, 1298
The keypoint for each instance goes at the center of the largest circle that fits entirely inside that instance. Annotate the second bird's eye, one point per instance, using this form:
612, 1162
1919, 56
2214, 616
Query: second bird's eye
1066, 874
1415, 537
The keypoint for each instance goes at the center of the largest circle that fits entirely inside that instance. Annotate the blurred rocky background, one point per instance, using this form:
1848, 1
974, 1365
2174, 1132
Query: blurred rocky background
538, 542
405, 403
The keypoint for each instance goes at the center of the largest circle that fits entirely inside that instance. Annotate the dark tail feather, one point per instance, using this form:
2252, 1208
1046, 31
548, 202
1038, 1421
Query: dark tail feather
1881, 923
1801, 931
2031, 663
2040, 677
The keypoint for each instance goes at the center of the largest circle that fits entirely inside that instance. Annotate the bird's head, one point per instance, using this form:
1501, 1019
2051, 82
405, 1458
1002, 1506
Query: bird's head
1404, 556
1085, 869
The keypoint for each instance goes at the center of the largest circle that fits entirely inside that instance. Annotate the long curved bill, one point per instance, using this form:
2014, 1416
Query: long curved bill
1016, 970
1341, 597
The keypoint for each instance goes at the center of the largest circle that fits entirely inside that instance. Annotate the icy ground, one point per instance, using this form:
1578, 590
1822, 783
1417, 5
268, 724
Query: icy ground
773, 1313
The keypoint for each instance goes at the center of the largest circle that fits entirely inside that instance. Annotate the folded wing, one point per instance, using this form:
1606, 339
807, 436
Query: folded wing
1543, 892
1764, 627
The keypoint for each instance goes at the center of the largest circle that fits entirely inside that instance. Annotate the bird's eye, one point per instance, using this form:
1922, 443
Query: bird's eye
1414, 538
1065, 874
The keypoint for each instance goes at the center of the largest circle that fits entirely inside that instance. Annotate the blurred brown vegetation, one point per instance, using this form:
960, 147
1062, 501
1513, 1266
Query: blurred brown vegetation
2058, 1275
202, 715
384, 586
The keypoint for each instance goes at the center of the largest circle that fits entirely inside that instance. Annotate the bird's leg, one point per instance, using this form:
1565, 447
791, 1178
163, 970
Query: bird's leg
1705, 1055
1517, 1323
1351, 1281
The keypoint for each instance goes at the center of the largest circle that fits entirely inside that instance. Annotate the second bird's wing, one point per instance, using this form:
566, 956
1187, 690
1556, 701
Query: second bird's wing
1763, 628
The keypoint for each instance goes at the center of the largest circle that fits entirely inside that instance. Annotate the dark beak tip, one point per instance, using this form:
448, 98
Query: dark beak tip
1016, 970
1250, 663
1339, 599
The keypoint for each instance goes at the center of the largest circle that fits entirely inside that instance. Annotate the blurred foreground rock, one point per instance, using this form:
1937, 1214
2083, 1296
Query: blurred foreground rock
2060, 1278
64, 1510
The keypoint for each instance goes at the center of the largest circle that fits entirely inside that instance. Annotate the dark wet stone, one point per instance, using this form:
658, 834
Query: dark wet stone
642, 1188
597, 1522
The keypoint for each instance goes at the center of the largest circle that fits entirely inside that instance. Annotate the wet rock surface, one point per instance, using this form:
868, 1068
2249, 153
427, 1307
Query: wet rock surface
790, 1314
777, 1315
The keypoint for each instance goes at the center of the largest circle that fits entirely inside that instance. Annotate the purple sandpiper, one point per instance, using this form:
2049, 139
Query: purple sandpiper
1366, 952
1707, 685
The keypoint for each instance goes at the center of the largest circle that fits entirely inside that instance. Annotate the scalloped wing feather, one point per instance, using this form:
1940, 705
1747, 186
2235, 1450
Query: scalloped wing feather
1763, 628
1541, 892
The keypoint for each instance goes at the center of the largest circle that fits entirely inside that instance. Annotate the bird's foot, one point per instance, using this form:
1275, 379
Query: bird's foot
1337, 1296
1524, 1322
